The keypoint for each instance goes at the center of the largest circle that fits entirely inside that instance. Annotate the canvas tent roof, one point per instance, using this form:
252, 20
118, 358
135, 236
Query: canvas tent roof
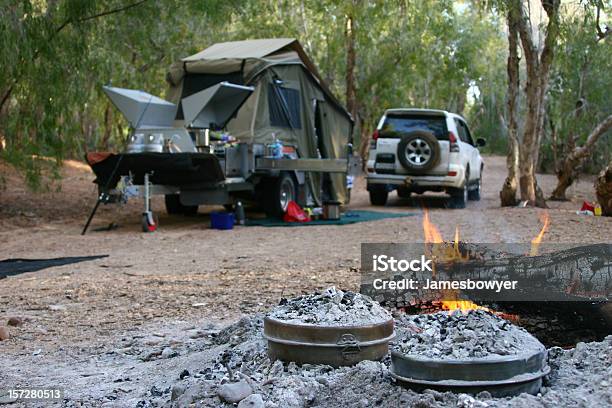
242, 49
251, 57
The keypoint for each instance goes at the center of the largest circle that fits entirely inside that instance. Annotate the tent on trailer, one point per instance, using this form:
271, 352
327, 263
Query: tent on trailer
291, 102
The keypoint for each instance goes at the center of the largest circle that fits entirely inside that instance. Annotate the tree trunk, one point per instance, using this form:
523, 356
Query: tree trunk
507, 194
603, 189
5, 96
108, 123
364, 148
540, 200
538, 73
351, 100
554, 140
569, 169
351, 91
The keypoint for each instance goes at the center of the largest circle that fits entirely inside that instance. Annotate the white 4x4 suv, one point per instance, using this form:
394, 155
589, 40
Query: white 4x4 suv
418, 150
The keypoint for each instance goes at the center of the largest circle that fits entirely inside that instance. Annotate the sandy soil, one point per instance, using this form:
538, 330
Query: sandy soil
156, 289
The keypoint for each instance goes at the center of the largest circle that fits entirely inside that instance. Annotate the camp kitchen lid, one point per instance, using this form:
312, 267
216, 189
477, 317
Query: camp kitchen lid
213, 107
142, 109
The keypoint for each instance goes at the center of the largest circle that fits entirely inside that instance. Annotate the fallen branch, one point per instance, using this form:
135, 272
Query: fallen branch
569, 168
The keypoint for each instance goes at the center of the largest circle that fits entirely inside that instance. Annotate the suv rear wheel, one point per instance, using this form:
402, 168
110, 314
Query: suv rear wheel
474, 194
378, 195
458, 197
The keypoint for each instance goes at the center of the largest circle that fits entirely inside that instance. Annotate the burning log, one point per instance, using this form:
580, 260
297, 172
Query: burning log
580, 273
561, 296
573, 274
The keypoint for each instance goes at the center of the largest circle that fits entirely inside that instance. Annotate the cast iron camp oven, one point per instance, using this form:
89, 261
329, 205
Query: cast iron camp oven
330, 345
502, 376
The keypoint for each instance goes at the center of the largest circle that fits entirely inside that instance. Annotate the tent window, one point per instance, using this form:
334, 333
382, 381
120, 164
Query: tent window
284, 107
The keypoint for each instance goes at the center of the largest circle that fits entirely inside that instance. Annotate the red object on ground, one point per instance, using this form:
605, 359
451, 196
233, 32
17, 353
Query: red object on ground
295, 213
148, 222
586, 206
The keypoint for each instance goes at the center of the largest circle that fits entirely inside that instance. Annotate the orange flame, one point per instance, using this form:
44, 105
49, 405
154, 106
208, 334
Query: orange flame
432, 235
535, 243
446, 252
463, 305
456, 245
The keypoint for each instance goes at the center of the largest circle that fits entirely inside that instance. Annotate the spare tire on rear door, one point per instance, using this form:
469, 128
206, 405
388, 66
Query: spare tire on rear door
418, 151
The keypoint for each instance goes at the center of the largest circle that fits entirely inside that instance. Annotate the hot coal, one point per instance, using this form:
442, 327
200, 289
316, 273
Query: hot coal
579, 377
236, 363
458, 335
331, 307
561, 324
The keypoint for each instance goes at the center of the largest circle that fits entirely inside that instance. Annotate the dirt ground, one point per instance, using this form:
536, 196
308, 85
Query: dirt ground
161, 289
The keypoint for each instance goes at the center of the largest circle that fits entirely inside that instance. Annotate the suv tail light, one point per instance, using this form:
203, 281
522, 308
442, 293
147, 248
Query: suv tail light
452, 139
374, 139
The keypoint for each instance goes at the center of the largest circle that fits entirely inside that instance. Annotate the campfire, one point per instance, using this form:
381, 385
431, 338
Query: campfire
559, 322
441, 251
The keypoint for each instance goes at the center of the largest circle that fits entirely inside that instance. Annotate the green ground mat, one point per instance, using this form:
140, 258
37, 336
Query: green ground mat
350, 217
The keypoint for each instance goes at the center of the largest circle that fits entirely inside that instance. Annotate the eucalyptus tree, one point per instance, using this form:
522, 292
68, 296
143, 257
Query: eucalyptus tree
581, 104
55, 55
43, 47
561, 67
508, 192
538, 63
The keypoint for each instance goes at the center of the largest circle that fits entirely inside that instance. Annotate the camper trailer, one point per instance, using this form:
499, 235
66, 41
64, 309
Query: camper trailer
243, 121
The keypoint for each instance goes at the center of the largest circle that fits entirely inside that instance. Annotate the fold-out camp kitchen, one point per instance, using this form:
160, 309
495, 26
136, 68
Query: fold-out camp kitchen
285, 136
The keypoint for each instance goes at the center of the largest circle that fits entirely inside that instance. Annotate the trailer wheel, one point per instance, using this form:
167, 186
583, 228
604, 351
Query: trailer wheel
277, 193
174, 206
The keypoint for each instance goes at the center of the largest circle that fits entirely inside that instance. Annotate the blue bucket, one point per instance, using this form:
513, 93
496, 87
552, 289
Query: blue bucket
222, 220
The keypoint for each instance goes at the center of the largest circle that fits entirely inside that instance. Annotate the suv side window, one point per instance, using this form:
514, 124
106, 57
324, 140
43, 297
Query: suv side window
464, 133
461, 130
468, 135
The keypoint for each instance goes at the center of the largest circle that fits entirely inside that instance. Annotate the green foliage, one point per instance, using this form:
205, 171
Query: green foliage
579, 95
56, 55
409, 54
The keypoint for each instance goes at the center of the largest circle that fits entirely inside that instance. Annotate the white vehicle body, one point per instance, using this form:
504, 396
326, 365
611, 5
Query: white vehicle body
454, 166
